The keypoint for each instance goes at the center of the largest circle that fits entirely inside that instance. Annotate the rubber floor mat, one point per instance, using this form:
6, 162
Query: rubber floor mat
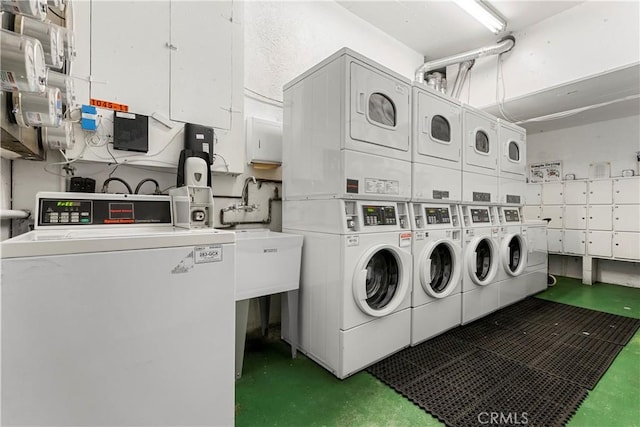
530, 363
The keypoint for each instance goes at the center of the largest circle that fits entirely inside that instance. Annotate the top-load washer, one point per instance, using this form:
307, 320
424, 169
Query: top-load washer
512, 141
436, 146
480, 293
436, 302
479, 157
346, 131
513, 255
355, 285
113, 316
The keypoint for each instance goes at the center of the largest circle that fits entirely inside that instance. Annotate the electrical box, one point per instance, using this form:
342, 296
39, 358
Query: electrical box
600, 217
600, 192
575, 192
599, 243
575, 217
533, 195
554, 239
626, 191
626, 245
264, 141
555, 213
626, 218
574, 242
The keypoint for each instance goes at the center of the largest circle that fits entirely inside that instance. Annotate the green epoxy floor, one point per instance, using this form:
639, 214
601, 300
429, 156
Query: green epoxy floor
276, 390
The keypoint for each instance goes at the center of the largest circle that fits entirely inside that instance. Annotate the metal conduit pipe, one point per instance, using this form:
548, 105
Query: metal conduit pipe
13, 214
502, 46
461, 77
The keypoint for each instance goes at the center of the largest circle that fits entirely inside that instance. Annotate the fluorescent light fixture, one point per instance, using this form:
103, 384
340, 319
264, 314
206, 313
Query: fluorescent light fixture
484, 14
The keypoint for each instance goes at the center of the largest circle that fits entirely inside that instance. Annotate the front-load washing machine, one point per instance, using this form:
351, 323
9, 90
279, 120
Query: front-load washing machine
436, 300
436, 146
534, 277
512, 141
346, 132
513, 255
355, 286
480, 292
479, 157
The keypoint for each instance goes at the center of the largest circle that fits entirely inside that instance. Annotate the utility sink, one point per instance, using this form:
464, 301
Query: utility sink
267, 263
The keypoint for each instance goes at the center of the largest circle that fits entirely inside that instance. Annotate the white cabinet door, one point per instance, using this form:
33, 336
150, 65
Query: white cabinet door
130, 56
552, 193
533, 195
626, 217
601, 192
575, 192
575, 217
626, 190
532, 212
201, 77
554, 239
626, 245
574, 242
599, 243
555, 213
600, 217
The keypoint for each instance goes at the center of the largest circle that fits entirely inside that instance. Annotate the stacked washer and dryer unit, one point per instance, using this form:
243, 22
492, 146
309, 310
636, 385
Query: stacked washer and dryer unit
495, 235
346, 184
436, 300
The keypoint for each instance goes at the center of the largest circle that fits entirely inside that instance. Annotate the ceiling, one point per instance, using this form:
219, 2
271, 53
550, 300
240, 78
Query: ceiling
428, 27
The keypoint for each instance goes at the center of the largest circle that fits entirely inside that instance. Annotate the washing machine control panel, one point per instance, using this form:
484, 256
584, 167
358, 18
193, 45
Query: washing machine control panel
437, 215
511, 215
479, 216
76, 210
379, 215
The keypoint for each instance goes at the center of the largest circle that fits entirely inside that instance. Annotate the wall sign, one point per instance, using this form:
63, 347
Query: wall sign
545, 171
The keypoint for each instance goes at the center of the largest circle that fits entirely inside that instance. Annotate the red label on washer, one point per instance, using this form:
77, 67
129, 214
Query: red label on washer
405, 239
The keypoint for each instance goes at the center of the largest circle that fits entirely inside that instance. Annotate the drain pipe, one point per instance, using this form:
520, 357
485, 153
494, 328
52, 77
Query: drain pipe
502, 46
461, 77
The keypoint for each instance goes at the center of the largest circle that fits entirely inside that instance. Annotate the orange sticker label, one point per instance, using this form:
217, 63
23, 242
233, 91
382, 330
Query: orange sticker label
109, 105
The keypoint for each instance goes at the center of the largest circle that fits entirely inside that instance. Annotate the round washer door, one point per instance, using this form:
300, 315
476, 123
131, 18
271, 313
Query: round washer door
513, 252
381, 280
440, 268
482, 260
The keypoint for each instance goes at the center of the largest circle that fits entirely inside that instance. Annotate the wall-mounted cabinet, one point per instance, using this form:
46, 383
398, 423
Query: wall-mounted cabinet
555, 213
600, 218
626, 191
575, 217
554, 238
574, 242
552, 193
575, 192
625, 245
626, 218
600, 192
599, 243
176, 61
533, 194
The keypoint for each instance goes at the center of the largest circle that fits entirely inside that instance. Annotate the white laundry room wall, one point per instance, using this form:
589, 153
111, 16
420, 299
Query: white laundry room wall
590, 39
615, 141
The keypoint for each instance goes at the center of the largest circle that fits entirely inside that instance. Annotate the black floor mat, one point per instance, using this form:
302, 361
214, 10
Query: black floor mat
531, 363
